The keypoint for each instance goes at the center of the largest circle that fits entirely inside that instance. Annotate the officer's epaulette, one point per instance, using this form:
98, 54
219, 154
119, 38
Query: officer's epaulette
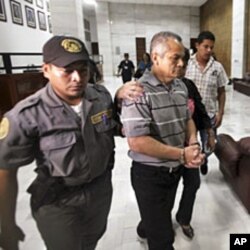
28, 102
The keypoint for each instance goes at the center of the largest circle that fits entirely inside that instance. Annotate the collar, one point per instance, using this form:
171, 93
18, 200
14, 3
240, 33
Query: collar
194, 60
152, 80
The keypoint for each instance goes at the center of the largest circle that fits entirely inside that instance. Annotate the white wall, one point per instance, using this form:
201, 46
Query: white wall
67, 18
119, 24
21, 38
238, 60
114, 26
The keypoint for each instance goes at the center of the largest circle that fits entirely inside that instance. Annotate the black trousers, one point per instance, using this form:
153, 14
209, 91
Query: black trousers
78, 220
126, 77
155, 190
191, 183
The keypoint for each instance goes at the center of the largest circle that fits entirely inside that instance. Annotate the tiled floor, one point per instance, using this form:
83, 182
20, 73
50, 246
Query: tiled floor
217, 211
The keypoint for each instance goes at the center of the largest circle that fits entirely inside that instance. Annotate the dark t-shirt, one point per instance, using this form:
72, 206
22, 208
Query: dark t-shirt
127, 68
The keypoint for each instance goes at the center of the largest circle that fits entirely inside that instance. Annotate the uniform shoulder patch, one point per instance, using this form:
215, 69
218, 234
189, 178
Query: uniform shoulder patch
4, 128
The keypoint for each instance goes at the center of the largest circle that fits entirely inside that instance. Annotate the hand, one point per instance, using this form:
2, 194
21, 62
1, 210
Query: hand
196, 162
193, 156
10, 236
211, 142
130, 91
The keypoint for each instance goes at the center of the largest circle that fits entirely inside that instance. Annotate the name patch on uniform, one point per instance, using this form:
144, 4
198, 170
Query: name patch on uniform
101, 116
4, 128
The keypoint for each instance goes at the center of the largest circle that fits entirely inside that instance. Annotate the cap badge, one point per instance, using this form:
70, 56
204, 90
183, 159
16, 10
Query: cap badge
4, 128
71, 45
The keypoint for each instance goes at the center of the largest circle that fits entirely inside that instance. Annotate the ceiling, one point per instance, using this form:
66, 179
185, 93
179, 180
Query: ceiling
195, 3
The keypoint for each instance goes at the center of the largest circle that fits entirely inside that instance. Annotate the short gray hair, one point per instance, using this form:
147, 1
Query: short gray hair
158, 42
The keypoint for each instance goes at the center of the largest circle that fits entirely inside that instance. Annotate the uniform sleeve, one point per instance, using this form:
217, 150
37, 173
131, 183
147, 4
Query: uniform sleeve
17, 147
135, 117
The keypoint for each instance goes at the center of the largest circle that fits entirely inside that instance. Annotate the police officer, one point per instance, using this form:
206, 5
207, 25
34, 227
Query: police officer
67, 128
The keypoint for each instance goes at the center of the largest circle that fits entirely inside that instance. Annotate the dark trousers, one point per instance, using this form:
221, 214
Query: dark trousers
126, 77
155, 190
78, 220
191, 183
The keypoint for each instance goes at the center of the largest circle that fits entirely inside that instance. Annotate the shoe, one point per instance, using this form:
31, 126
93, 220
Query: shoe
186, 229
204, 169
141, 235
142, 240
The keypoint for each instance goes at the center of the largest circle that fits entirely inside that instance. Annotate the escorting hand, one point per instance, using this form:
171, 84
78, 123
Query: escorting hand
130, 91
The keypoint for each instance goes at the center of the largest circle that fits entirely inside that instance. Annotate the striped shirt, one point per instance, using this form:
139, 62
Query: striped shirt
207, 81
161, 113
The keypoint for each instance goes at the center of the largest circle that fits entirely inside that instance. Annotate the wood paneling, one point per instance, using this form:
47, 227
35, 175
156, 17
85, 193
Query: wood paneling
216, 16
140, 48
15, 87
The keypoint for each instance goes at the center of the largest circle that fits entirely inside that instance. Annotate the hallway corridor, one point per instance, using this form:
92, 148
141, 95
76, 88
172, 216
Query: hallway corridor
217, 211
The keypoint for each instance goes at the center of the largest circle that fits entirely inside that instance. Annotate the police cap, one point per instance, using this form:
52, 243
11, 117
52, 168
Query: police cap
64, 50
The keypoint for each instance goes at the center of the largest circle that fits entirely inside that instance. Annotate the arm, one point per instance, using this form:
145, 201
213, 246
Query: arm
130, 90
191, 132
149, 146
10, 232
119, 70
221, 102
133, 68
197, 157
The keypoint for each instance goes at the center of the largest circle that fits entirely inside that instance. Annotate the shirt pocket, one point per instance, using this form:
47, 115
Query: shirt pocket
59, 152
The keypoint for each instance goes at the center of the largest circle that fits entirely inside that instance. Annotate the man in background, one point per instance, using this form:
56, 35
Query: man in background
210, 78
126, 68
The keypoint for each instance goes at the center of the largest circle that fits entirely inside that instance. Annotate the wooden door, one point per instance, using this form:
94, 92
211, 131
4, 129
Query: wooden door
95, 48
140, 48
